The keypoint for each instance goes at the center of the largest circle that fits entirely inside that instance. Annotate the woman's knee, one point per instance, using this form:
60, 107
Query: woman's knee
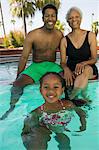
88, 71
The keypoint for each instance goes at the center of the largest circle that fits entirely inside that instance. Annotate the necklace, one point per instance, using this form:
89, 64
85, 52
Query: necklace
63, 107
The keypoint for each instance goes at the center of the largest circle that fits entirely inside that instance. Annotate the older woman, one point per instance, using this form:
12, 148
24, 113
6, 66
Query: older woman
80, 47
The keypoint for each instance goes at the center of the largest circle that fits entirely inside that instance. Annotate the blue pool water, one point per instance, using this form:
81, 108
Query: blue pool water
11, 127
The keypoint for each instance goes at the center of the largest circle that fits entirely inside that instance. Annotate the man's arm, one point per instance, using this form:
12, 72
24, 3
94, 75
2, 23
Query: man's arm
27, 47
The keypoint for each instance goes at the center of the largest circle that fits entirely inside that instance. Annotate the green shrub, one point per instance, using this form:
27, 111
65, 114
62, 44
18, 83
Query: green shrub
6, 41
60, 26
14, 39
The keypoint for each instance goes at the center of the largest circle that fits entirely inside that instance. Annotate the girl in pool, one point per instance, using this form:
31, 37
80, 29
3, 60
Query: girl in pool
53, 115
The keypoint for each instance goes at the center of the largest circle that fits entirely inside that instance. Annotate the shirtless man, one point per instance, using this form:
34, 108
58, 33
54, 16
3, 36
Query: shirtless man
43, 42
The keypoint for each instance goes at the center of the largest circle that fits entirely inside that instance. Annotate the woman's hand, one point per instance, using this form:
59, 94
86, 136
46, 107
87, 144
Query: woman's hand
68, 76
79, 68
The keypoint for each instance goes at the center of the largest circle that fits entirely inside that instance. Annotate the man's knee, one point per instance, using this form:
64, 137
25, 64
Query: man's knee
23, 80
16, 93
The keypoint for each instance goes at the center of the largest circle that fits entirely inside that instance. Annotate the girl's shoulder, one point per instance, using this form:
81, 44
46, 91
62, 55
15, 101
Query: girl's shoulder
68, 104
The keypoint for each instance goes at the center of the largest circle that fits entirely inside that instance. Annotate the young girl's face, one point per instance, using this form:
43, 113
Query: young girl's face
51, 88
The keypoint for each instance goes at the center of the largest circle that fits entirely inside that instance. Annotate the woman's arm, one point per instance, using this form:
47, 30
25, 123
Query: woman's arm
93, 49
68, 75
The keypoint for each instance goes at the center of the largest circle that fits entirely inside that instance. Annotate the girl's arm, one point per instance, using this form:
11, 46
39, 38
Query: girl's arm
82, 116
30, 122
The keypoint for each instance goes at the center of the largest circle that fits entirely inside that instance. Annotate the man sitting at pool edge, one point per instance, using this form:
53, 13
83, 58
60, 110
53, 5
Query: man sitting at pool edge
43, 42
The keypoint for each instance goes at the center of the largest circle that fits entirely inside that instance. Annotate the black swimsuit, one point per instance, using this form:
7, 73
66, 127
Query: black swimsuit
79, 55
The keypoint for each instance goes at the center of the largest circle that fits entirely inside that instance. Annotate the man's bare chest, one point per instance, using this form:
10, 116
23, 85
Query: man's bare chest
45, 44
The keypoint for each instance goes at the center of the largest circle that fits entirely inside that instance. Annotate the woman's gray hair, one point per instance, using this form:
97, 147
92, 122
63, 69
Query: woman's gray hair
73, 9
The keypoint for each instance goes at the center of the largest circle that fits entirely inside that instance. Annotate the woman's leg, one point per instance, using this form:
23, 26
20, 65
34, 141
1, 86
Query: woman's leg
81, 81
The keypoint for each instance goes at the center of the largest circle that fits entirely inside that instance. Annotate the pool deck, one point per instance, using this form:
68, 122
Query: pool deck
13, 54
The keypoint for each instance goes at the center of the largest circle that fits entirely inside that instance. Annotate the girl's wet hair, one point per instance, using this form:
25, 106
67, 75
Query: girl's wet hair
73, 9
53, 73
49, 5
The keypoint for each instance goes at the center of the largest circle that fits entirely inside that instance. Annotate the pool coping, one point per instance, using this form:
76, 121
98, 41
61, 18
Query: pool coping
14, 55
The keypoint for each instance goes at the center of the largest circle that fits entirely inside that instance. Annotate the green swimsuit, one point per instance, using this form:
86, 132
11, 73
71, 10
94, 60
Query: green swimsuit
37, 70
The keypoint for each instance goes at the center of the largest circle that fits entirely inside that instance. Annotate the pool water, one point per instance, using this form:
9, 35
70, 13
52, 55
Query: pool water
11, 127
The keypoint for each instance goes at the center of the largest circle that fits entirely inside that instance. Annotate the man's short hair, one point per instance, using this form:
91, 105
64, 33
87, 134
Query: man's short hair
49, 5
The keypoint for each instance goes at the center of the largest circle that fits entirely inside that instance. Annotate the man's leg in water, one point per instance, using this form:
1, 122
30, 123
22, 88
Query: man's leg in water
17, 91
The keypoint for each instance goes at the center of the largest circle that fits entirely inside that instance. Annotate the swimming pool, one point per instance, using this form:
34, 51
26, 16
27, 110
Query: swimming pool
11, 128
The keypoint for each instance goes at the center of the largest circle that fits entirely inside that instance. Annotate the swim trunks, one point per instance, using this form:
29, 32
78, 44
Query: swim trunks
37, 70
